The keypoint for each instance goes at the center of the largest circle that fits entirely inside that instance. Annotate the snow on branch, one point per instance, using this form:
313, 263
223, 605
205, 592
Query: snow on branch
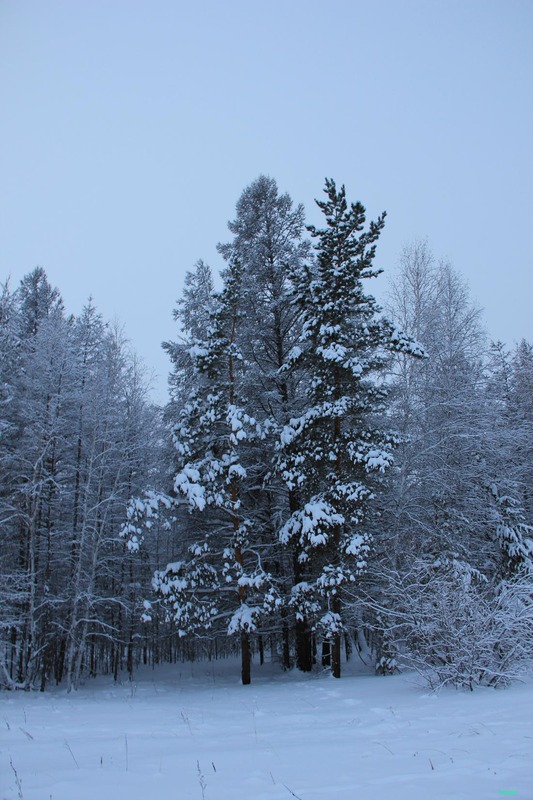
140, 514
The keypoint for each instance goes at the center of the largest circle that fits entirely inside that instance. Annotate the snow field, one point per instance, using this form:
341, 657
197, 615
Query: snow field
192, 731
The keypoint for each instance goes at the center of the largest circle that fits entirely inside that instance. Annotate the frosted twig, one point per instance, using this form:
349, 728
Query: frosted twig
385, 746
201, 779
17, 780
187, 721
71, 753
291, 792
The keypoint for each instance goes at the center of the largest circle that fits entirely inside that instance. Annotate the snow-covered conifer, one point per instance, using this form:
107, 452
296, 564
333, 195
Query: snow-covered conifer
334, 451
268, 240
192, 314
221, 578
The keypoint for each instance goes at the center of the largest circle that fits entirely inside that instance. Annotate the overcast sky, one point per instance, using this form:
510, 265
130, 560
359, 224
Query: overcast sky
128, 130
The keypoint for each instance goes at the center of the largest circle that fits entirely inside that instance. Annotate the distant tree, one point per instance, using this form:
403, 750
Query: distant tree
510, 457
520, 415
38, 300
192, 313
440, 501
75, 446
454, 501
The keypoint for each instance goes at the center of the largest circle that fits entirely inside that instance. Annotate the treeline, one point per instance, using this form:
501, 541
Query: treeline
77, 439
325, 478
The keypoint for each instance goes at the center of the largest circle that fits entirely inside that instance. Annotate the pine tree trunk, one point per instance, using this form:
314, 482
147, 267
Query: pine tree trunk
286, 647
304, 645
245, 659
336, 644
336, 656
304, 649
347, 646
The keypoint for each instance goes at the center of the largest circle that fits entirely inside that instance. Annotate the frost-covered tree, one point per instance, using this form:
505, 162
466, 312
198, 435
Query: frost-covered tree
192, 314
268, 241
450, 625
36, 472
221, 579
269, 244
438, 500
13, 585
230, 369
334, 451
454, 501
510, 436
38, 300
511, 393
74, 448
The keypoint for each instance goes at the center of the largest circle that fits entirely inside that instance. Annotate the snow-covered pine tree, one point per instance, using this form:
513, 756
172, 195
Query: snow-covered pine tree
192, 313
222, 577
268, 240
334, 450
234, 347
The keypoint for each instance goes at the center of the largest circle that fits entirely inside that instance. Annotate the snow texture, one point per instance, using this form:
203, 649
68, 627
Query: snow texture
315, 738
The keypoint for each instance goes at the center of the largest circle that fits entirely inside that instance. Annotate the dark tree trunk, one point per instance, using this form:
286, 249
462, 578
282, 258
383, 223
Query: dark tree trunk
60, 661
116, 662
286, 647
347, 646
336, 656
326, 653
245, 659
129, 659
304, 646
13, 642
336, 644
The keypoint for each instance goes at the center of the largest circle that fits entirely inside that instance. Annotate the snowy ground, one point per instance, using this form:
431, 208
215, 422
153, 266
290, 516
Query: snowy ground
192, 731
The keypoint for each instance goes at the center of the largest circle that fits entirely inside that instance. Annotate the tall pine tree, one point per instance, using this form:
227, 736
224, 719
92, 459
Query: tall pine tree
221, 579
333, 452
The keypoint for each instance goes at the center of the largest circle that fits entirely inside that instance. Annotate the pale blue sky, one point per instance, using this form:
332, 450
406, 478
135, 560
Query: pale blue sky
129, 129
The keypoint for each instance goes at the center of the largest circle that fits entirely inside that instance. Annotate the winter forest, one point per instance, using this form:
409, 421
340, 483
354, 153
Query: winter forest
329, 481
